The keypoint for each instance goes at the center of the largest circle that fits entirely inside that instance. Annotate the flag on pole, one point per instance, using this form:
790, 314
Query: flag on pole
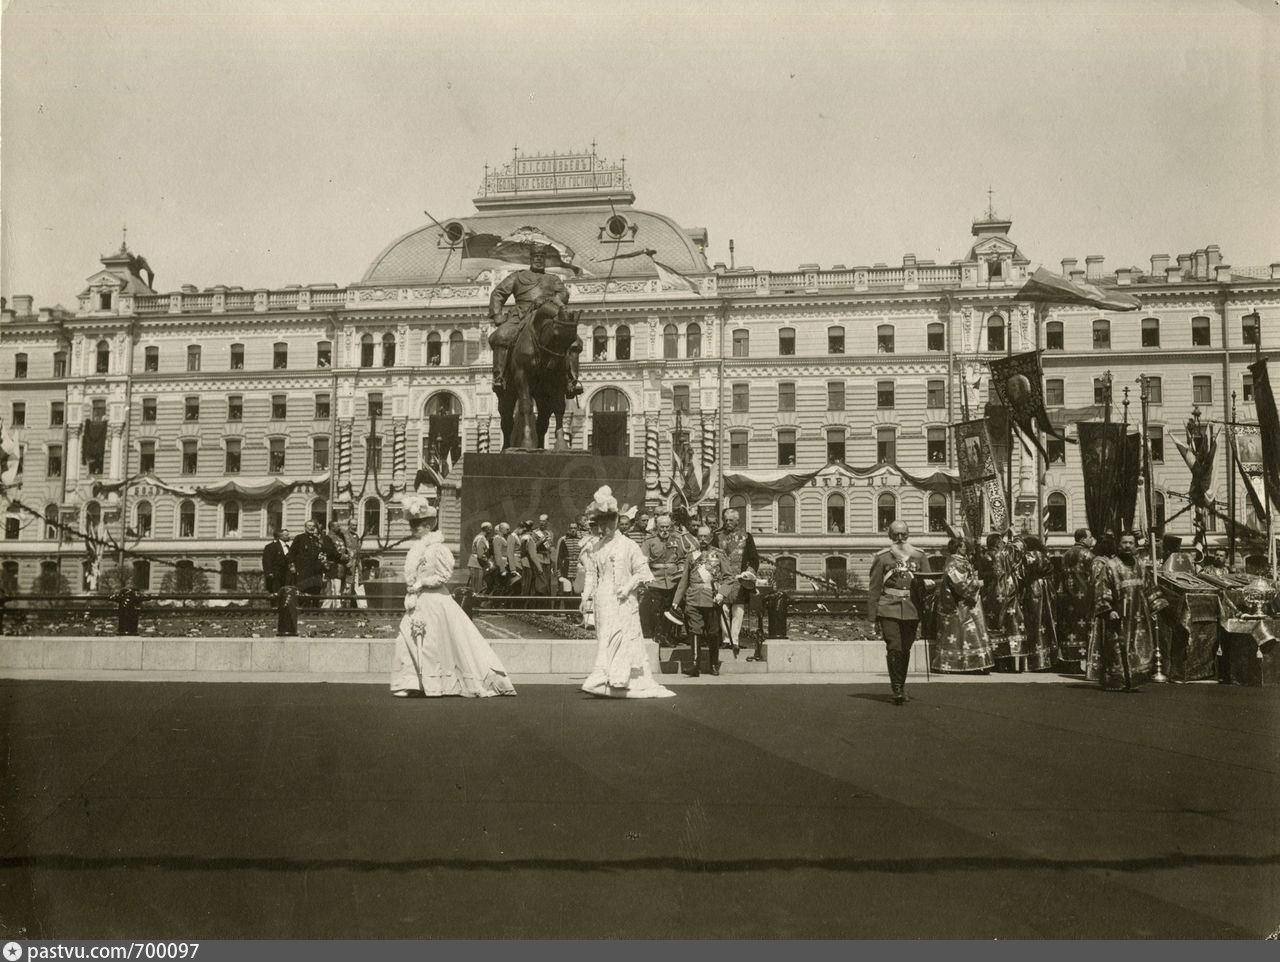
1264, 400
1018, 383
1046, 287
668, 277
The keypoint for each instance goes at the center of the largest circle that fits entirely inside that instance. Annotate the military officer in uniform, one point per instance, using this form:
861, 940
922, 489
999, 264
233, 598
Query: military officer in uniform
528, 290
665, 552
744, 563
893, 602
704, 583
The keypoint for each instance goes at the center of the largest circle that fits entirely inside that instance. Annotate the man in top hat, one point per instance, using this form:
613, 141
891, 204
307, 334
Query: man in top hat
528, 290
892, 597
706, 579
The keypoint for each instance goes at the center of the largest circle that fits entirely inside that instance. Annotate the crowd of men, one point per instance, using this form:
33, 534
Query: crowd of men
324, 567
702, 587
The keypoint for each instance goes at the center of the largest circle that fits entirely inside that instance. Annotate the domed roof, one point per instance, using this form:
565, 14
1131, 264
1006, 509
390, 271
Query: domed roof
590, 240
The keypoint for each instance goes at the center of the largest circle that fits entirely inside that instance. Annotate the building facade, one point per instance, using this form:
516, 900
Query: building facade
183, 426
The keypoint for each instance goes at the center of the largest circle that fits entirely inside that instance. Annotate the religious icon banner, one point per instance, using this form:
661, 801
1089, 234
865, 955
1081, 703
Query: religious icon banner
1247, 444
1018, 383
979, 478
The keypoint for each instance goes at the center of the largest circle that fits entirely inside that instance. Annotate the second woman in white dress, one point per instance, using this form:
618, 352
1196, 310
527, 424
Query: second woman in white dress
615, 570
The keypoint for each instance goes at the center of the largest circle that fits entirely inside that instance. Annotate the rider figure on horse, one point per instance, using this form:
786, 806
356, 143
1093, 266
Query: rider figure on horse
529, 290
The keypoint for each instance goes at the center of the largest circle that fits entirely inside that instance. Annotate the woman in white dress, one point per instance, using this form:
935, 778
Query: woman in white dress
615, 571
438, 651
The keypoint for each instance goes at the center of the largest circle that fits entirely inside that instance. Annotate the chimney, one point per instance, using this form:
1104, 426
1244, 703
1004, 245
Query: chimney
1124, 276
1068, 265
1159, 263
1077, 275
22, 304
1202, 264
1093, 266
1185, 264
1173, 274
1222, 273
1215, 256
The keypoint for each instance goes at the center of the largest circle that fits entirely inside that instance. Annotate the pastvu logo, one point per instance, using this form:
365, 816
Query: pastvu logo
12, 952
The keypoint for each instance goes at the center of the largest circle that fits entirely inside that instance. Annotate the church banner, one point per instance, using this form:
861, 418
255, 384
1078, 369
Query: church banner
1110, 460
1246, 442
979, 478
1019, 384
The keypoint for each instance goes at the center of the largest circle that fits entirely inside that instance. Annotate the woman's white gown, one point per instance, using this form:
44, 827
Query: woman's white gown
622, 667
438, 650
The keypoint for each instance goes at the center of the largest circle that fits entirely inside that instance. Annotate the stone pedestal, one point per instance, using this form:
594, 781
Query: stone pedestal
515, 487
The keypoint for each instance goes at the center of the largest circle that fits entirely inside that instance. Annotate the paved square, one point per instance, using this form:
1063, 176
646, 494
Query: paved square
325, 811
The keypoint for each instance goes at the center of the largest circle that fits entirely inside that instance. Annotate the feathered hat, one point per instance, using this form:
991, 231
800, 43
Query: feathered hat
603, 503
418, 508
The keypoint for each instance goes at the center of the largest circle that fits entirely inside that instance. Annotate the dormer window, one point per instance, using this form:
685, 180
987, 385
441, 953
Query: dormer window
995, 270
104, 300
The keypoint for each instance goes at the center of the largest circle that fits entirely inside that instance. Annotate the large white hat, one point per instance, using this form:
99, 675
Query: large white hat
418, 508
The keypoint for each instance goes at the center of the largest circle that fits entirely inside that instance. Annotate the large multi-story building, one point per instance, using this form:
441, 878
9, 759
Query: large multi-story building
186, 425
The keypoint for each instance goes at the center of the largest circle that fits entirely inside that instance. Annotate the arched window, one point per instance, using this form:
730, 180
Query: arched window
786, 515
670, 342
1158, 509
228, 575
609, 415
995, 333
786, 342
936, 337
433, 349
457, 349
320, 513
937, 512
103, 365
600, 344
1102, 334
60, 362
237, 357
837, 571
142, 519
442, 403
279, 356
740, 504
741, 342
366, 350
52, 530
835, 514
886, 339
275, 517
372, 517
693, 340
187, 519
1055, 512
1054, 339
92, 518
388, 350
886, 511
622, 344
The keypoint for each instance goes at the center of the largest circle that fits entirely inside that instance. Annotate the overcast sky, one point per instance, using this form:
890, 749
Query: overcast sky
268, 143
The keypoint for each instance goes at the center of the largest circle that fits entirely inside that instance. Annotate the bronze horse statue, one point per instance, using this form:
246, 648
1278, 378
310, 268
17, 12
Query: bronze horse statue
542, 362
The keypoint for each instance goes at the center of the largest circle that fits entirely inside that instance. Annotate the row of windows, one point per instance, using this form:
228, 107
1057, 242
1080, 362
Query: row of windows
836, 439
231, 516
886, 395
370, 353
384, 349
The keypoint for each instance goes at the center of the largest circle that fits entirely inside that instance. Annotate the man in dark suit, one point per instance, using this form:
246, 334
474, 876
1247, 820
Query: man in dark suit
309, 554
277, 566
892, 603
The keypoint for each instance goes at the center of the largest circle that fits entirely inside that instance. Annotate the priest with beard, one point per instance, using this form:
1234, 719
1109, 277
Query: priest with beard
1122, 647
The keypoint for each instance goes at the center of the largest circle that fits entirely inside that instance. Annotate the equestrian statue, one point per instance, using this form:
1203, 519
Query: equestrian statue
535, 353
